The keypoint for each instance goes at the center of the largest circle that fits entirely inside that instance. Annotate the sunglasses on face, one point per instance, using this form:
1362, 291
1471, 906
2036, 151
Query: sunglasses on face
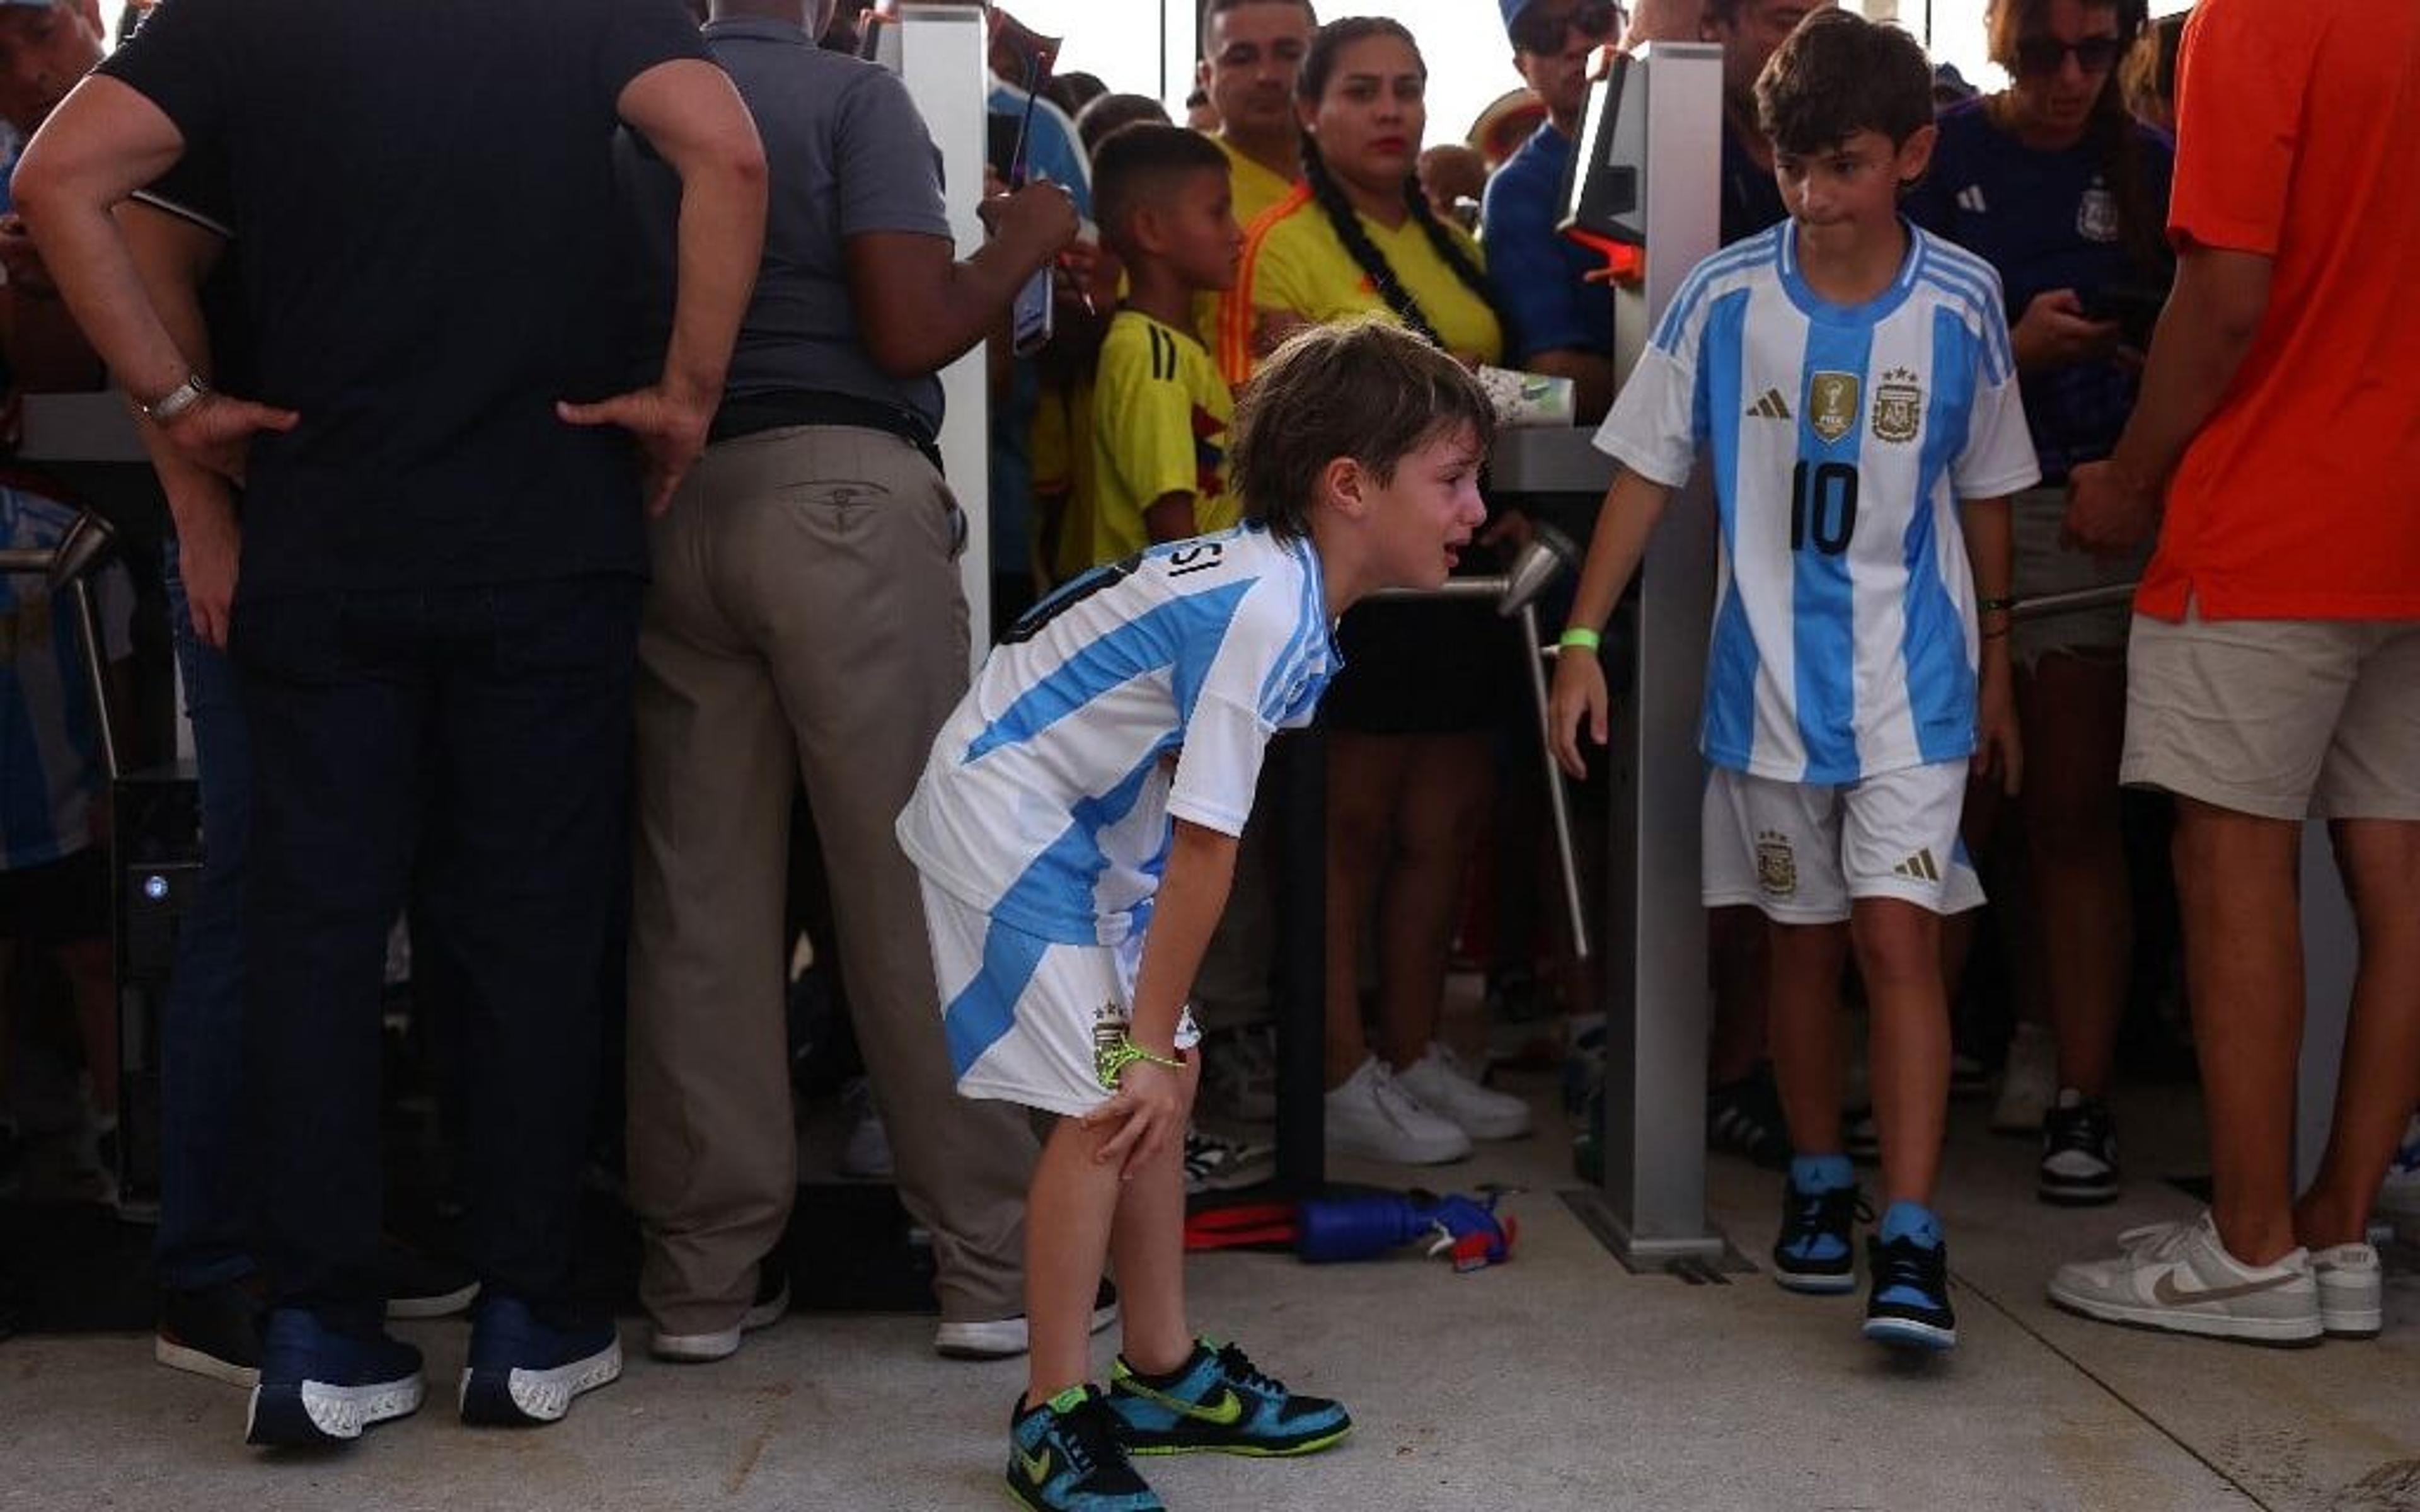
2048, 55
1540, 29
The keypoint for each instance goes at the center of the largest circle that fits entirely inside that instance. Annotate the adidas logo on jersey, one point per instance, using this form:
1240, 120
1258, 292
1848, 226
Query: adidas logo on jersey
1917, 868
1771, 407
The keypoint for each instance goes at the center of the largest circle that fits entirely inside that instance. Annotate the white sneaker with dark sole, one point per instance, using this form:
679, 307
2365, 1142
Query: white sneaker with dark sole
2178, 1278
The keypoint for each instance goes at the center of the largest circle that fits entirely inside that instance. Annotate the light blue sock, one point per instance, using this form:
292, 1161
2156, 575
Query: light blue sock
1821, 1173
1911, 1220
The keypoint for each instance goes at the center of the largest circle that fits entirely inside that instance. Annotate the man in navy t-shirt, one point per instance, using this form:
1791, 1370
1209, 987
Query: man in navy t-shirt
436, 598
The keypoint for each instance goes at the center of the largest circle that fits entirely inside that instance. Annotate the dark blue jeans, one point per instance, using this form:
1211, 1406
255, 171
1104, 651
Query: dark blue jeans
481, 735
205, 1193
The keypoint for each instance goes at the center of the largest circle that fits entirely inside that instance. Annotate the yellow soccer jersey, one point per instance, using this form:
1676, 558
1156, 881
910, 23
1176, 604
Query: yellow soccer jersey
1063, 470
1160, 426
1293, 261
1256, 189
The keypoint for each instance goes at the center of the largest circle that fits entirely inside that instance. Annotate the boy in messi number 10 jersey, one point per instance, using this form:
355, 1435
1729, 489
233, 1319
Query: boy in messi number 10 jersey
1850, 377
1076, 828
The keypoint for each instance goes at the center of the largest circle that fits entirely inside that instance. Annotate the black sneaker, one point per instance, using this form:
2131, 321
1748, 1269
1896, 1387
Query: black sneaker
527, 1363
1814, 1252
214, 1332
1743, 1117
322, 1385
2079, 1161
1068, 1456
1909, 1305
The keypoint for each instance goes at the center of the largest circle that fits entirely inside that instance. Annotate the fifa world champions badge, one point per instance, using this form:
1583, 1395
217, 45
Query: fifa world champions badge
1832, 404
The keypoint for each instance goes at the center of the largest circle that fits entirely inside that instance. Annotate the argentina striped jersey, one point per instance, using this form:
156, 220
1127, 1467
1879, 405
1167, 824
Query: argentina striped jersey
1142, 691
1841, 439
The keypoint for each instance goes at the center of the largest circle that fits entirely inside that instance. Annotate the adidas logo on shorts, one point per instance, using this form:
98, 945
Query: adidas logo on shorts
1917, 868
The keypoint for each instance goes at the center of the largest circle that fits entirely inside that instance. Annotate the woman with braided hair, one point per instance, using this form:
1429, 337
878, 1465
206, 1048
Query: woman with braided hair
1411, 720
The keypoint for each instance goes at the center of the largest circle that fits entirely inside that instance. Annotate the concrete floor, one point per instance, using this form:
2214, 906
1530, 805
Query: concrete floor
1557, 1381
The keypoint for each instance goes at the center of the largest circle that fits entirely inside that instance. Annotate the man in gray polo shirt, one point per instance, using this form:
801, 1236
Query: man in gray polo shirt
805, 618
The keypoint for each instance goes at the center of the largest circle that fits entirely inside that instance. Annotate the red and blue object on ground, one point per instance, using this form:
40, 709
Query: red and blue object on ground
1466, 1230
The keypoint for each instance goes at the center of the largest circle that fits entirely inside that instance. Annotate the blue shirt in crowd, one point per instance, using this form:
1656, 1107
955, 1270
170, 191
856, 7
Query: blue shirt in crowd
2047, 221
1538, 275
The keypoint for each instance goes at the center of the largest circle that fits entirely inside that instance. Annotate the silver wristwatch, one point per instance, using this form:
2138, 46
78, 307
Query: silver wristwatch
184, 396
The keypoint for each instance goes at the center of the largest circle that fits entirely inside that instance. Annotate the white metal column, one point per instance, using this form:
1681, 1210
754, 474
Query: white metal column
942, 58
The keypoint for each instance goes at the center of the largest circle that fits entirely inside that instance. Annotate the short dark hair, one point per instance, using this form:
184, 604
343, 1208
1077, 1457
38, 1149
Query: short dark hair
1366, 388
1839, 74
1138, 163
1219, 7
1112, 113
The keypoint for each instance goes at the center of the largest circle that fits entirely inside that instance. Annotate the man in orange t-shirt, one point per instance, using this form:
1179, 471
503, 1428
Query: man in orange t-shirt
2274, 672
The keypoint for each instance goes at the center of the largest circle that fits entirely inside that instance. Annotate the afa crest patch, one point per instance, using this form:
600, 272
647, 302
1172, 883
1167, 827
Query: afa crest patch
1776, 865
1898, 406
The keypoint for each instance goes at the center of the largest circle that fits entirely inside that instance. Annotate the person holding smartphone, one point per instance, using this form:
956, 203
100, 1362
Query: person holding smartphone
2056, 184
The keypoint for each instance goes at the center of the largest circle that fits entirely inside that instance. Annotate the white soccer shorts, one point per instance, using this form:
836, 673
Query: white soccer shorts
1801, 851
1027, 1018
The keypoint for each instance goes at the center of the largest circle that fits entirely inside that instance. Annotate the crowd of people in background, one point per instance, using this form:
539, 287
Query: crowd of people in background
526, 604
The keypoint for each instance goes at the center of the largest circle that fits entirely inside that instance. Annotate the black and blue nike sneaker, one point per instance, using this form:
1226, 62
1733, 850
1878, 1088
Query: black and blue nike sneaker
1067, 1455
1219, 1402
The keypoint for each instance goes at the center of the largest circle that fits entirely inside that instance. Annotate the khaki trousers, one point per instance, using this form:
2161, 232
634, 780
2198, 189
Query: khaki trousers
805, 622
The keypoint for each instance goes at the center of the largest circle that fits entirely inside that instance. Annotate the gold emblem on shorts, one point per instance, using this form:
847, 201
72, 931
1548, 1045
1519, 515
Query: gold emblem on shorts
1111, 1021
1898, 406
1777, 866
1919, 868
1832, 404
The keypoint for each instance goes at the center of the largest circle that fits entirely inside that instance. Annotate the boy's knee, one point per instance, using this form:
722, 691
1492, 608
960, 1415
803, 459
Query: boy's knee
1894, 938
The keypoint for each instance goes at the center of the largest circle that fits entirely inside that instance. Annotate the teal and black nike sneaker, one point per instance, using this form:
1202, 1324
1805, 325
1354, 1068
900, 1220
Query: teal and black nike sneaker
1218, 1401
1068, 1456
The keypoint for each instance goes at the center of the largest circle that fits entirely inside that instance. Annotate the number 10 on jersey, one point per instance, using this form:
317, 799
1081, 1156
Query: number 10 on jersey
1822, 506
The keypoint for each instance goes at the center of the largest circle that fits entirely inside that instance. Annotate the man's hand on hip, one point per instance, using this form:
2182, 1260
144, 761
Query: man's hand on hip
671, 429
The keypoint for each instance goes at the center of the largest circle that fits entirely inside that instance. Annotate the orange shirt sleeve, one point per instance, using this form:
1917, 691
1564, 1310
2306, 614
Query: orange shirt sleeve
2241, 81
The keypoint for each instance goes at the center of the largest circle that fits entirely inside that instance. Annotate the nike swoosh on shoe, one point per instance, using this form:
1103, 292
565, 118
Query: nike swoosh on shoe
2168, 1294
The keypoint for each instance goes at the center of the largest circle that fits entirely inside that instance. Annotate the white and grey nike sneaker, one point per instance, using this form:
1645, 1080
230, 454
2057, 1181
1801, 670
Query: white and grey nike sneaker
2179, 1277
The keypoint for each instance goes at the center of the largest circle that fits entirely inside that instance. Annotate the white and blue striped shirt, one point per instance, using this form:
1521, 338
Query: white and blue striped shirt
1142, 691
1844, 640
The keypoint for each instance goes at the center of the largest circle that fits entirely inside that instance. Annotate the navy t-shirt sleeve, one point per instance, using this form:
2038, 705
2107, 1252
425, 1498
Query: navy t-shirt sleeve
182, 59
638, 36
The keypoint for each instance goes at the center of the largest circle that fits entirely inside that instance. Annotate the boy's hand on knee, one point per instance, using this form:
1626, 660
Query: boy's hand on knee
1149, 1114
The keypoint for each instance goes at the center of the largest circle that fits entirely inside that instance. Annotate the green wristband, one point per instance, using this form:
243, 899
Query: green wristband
1112, 1060
1579, 639
1995, 606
